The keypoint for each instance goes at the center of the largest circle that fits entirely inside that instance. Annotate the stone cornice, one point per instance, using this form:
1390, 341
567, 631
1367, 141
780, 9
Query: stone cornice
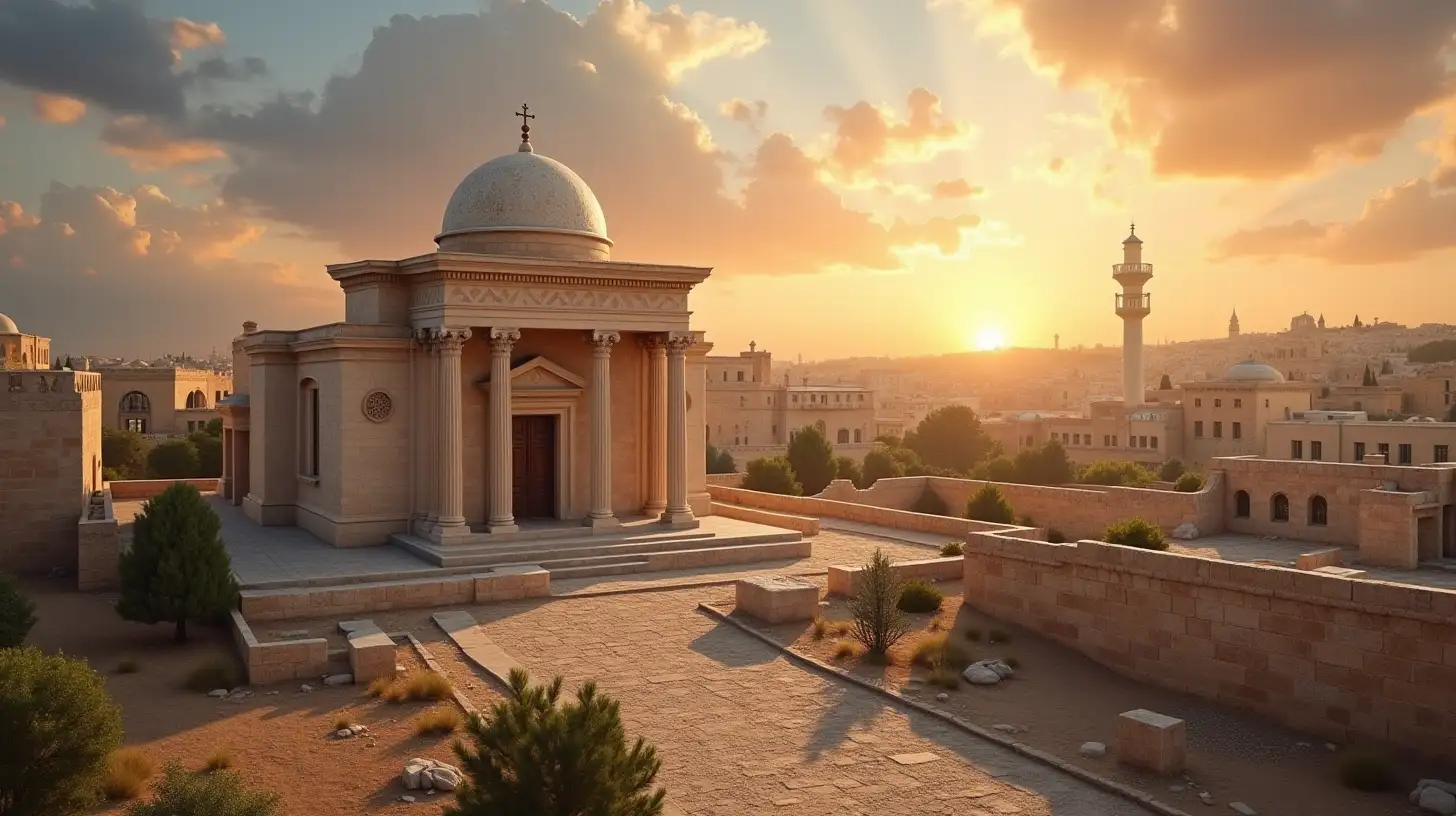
454, 266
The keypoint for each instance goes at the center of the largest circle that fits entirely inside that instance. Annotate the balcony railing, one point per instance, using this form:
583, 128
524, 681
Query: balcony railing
1133, 303
1132, 269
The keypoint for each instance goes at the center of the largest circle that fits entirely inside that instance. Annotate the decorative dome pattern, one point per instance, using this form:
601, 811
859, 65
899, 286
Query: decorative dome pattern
7, 326
524, 191
1250, 371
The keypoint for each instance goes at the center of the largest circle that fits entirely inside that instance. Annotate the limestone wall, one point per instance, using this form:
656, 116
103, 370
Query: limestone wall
807, 525
725, 479
140, 489
502, 584
820, 507
845, 580
98, 547
1336, 657
50, 443
279, 660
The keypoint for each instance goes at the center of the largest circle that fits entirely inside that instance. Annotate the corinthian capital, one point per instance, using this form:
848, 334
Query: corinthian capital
502, 339
652, 342
679, 342
451, 340
602, 341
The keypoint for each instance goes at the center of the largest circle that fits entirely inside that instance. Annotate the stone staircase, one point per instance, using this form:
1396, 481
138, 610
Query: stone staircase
567, 553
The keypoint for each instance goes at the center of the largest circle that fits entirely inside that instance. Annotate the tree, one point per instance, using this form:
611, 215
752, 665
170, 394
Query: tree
59, 725
1451, 413
209, 453
1358, 324
123, 452
989, 505
1369, 376
1000, 469
812, 459
1171, 470
909, 461
1436, 351
534, 756
173, 459
1046, 465
1115, 473
879, 464
214, 427
177, 569
1165, 384
878, 622
951, 437
17, 614
1386, 368
57, 364
720, 461
219, 793
846, 468
69, 364
772, 474
1188, 483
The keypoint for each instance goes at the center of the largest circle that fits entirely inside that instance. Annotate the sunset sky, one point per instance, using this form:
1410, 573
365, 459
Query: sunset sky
866, 177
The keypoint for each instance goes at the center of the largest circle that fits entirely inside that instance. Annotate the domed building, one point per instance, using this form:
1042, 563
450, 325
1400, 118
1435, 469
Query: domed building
1229, 416
20, 351
516, 380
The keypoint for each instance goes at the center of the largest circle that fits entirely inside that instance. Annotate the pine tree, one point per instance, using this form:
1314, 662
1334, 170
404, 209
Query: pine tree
534, 757
177, 569
812, 458
1369, 376
878, 621
69, 364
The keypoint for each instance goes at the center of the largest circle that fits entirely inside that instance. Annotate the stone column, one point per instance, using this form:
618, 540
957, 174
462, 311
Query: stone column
225, 483
451, 524
429, 443
502, 518
656, 424
678, 513
600, 515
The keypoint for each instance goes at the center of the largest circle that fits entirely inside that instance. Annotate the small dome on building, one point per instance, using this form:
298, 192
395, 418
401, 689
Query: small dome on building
524, 203
7, 326
1251, 371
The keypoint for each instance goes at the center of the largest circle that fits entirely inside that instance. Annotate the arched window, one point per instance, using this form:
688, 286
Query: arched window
1279, 507
136, 412
842, 438
820, 427
308, 428
858, 436
1241, 504
196, 399
1319, 511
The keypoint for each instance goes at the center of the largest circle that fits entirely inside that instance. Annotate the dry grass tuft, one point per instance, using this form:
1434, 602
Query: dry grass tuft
821, 627
220, 760
127, 772
944, 677
438, 721
937, 651
380, 686
845, 649
423, 686
342, 723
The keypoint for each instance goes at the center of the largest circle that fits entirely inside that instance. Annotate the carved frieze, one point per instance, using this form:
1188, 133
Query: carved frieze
512, 297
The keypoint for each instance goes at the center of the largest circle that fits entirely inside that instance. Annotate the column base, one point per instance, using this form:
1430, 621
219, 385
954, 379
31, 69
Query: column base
446, 533
654, 509
601, 522
679, 519
497, 527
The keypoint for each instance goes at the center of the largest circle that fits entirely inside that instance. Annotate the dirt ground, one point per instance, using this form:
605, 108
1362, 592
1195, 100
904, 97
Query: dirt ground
278, 738
1063, 699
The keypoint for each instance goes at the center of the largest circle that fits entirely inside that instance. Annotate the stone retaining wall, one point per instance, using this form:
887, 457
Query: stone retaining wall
821, 506
502, 584
725, 479
807, 525
1337, 657
280, 660
98, 550
845, 580
138, 489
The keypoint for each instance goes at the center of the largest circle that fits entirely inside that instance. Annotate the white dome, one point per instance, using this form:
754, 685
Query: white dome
524, 192
7, 326
1250, 371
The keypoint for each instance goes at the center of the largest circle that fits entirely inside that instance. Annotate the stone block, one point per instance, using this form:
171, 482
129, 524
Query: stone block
1151, 741
1333, 557
777, 598
1339, 572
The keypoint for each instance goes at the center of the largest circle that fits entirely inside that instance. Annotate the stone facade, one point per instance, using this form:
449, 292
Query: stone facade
1344, 659
162, 401
50, 462
1334, 440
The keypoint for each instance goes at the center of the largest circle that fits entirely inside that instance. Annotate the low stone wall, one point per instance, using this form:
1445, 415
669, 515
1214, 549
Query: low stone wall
820, 507
725, 479
98, 549
280, 660
845, 580
1337, 657
807, 525
138, 489
503, 584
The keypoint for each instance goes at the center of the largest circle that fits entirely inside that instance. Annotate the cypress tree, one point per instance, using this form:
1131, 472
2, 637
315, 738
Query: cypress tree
177, 569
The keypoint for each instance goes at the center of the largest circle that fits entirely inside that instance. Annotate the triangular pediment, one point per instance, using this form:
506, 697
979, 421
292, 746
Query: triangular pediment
539, 374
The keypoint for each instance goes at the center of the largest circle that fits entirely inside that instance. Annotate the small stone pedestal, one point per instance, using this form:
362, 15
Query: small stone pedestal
1151, 741
371, 652
777, 598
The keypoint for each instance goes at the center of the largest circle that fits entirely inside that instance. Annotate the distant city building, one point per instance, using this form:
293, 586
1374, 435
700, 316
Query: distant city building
20, 351
161, 401
1234, 324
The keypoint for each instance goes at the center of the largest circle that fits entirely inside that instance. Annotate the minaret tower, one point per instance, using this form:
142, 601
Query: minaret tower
1132, 305
1234, 324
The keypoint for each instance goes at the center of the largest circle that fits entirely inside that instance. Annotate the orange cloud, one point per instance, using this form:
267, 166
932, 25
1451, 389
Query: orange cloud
677, 40
186, 35
148, 146
955, 188
57, 110
867, 138
1244, 88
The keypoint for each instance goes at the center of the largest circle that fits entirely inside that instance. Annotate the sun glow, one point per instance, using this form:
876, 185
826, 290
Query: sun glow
989, 338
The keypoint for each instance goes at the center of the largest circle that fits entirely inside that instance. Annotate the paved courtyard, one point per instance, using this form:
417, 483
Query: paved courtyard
741, 730
1239, 547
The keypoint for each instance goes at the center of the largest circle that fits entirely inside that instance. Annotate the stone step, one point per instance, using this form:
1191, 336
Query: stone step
601, 570
739, 553
573, 551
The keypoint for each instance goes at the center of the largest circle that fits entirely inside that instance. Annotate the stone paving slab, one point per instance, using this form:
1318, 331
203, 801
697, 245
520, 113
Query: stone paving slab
482, 651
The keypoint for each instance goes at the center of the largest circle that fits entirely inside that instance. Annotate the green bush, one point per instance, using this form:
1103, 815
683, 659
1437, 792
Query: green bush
1055, 536
173, 459
17, 613
951, 549
720, 461
919, 596
123, 453
1000, 469
1115, 474
879, 464
1136, 533
1171, 470
177, 569
60, 726
929, 502
1368, 772
812, 458
989, 505
209, 454
1188, 483
772, 474
846, 468
218, 793
532, 755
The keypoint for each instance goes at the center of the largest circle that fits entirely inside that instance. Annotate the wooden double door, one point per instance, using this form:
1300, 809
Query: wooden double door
533, 465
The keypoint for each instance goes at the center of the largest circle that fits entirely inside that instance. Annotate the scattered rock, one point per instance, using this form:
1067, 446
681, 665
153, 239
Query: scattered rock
942, 696
1436, 783
978, 675
272, 694
1186, 532
1093, 750
338, 679
1330, 746
1206, 798
1433, 799
1176, 789
444, 778
305, 688
218, 693
398, 669
1242, 809
343, 733
1009, 729
1000, 667
430, 774
407, 799
1301, 745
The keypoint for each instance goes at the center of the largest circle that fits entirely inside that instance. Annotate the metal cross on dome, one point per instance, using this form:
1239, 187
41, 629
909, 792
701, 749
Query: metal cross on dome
525, 114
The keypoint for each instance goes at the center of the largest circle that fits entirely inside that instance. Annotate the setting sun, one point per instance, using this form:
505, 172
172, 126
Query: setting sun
989, 338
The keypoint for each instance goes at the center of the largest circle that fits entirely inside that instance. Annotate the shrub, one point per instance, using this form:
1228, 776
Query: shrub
720, 461
423, 686
180, 793
944, 677
1136, 533
127, 772
1368, 772
177, 569
1115, 473
209, 453
845, 649
846, 468
59, 726
218, 671
820, 628
772, 474
380, 686
878, 621
929, 502
17, 614
940, 651
919, 596
342, 723
532, 754
219, 760
1171, 470
123, 454
1188, 483
1055, 536
989, 505
812, 459
951, 549
173, 459
1026, 521
1000, 469
437, 721
128, 665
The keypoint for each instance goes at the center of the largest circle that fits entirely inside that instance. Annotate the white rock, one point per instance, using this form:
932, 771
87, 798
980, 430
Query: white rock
338, 679
1330, 746
1436, 800
407, 799
1002, 670
218, 693
978, 675
444, 778
398, 669
1186, 532
1206, 798
1093, 750
1445, 786
942, 696
305, 688
1242, 809
343, 733
414, 771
